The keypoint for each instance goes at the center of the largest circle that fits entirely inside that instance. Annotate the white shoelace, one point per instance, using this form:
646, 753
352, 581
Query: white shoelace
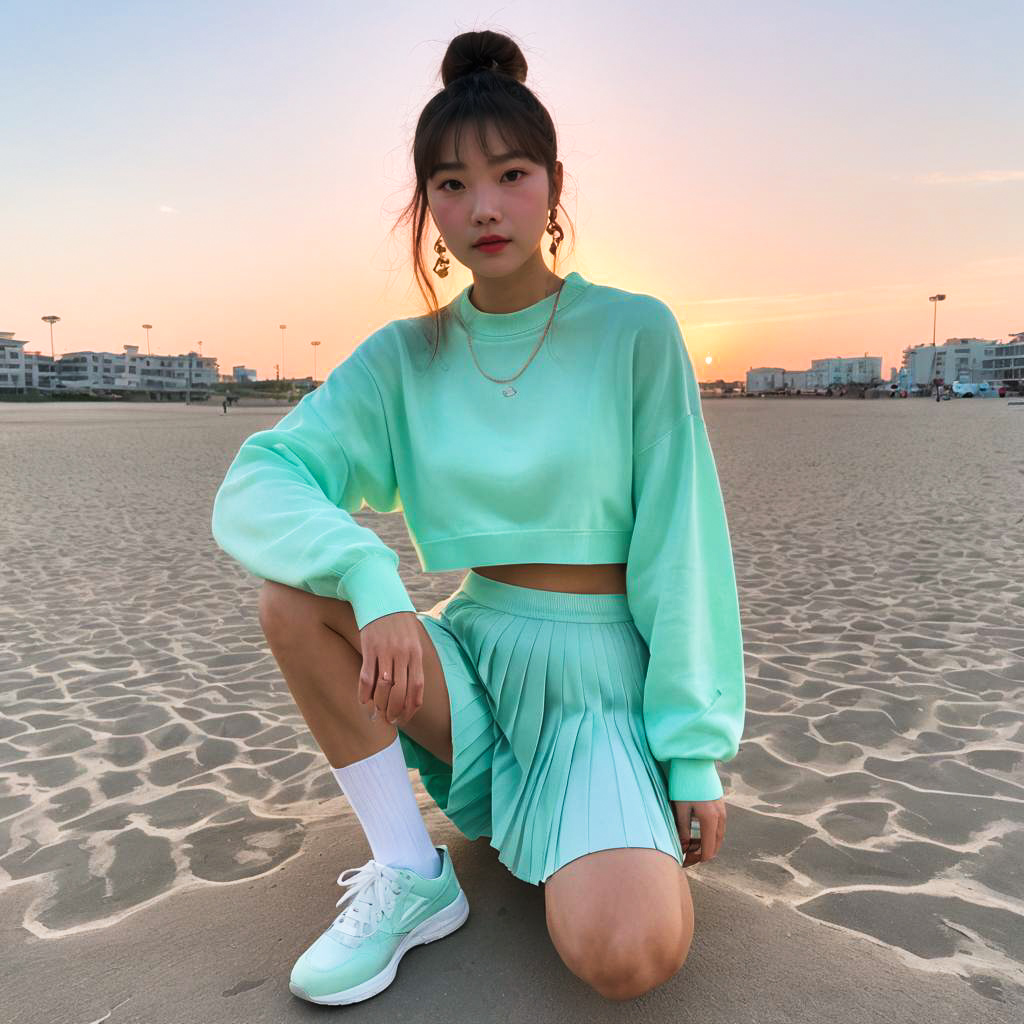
372, 891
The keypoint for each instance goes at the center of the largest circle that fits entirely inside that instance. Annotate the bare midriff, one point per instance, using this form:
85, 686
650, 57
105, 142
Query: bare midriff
576, 579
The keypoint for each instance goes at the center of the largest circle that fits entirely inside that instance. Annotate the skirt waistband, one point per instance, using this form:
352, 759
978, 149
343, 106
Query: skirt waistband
544, 604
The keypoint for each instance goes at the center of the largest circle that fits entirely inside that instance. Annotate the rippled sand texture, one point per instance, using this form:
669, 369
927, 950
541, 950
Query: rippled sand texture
149, 743
880, 783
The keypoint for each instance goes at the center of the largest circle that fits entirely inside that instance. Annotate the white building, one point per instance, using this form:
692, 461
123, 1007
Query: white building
131, 371
824, 373
103, 371
20, 369
765, 378
966, 359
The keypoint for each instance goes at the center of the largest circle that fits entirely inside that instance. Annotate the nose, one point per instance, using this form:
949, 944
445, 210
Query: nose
485, 210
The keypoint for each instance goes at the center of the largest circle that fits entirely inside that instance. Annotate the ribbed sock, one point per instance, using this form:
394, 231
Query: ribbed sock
380, 792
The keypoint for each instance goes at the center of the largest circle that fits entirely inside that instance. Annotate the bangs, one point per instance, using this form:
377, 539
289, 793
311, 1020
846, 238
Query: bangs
514, 131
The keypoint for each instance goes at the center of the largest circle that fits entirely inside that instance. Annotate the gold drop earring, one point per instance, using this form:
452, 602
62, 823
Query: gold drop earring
551, 229
441, 266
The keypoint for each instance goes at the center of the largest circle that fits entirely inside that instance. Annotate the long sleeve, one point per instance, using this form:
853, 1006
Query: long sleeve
283, 507
680, 578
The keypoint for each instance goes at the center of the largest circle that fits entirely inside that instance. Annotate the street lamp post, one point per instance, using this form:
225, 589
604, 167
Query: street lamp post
188, 390
51, 320
283, 328
935, 309
314, 344
147, 328
934, 300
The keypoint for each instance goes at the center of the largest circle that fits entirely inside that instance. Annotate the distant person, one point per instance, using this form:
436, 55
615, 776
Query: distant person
224, 405
573, 722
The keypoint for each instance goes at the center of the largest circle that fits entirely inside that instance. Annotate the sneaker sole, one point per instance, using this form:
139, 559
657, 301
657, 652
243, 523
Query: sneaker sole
444, 922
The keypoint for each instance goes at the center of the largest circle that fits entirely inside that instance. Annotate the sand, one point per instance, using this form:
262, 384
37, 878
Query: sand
155, 775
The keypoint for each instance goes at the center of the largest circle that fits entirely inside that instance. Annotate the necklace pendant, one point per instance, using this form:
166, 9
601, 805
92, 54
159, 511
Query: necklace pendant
509, 391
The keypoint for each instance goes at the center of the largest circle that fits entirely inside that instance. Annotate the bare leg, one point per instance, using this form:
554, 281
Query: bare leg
308, 636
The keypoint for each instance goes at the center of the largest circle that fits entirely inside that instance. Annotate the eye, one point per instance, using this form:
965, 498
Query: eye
512, 170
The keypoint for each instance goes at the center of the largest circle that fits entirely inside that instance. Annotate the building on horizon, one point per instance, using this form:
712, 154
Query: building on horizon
20, 370
155, 374
158, 376
243, 374
965, 359
824, 374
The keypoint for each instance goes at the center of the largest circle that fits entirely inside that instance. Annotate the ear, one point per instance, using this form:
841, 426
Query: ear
556, 185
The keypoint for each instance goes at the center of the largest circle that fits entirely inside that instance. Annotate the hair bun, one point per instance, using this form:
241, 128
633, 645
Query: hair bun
482, 51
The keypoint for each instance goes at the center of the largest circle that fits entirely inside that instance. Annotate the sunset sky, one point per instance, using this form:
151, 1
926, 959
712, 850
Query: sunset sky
793, 179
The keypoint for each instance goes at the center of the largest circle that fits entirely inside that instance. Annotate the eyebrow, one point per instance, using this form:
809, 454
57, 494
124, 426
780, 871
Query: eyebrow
454, 165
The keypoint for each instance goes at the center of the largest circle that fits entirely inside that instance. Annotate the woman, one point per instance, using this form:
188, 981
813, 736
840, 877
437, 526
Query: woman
570, 699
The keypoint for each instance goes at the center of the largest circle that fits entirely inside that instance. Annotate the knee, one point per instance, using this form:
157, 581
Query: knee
280, 610
627, 968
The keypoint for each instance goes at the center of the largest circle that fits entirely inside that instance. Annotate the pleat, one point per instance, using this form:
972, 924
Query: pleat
535, 812
597, 791
478, 631
573, 828
516, 765
640, 657
523, 760
615, 711
519, 693
637, 772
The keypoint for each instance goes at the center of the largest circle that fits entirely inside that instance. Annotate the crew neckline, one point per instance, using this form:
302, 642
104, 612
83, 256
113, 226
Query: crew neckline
520, 321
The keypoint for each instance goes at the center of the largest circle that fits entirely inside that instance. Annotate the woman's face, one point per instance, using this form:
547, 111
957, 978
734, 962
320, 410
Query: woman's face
510, 198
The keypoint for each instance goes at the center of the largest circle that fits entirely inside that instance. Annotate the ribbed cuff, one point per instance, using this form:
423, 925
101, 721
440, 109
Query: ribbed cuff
374, 588
692, 778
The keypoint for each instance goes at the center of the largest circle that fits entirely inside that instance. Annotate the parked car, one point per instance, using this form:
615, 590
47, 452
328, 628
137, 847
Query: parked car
970, 389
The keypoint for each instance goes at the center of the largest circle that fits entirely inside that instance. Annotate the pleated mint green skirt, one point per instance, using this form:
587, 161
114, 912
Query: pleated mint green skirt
550, 756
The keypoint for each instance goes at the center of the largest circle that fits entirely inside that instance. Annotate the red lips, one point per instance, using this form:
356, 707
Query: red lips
489, 238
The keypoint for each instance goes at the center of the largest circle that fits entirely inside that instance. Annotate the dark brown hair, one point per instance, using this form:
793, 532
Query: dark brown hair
483, 75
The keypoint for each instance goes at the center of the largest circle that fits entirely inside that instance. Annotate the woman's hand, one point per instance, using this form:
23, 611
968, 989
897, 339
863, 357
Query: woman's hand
710, 814
391, 679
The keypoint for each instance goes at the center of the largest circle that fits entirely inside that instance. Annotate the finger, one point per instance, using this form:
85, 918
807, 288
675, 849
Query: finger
718, 833
695, 838
385, 680
692, 849
684, 820
396, 699
367, 675
414, 695
705, 819
710, 820
681, 810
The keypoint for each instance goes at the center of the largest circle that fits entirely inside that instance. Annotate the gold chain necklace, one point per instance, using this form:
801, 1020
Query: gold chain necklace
510, 391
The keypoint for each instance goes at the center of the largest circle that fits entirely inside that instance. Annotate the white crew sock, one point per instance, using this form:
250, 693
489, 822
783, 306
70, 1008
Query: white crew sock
380, 792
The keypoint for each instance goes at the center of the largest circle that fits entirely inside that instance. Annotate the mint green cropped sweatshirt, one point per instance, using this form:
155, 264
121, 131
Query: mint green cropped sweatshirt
598, 453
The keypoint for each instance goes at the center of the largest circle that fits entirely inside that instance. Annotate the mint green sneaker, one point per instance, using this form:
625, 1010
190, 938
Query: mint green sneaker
392, 910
